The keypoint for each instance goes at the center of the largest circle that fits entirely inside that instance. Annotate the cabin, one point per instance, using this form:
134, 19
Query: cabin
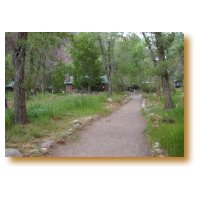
177, 84
9, 86
69, 87
68, 82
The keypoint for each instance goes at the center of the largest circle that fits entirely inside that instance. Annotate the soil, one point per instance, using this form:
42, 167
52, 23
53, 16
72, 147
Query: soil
120, 134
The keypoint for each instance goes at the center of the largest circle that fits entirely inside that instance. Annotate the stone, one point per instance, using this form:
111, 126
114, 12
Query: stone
158, 151
158, 117
155, 125
70, 130
67, 133
61, 141
156, 145
94, 117
143, 104
43, 150
13, 153
77, 126
75, 121
109, 100
35, 152
87, 119
46, 144
151, 114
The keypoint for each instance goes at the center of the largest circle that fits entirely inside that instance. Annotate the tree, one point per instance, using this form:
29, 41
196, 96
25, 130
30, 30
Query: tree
159, 46
150, 41
86, 59
129, 61
35, 51
162, 44
19, 89
59, 75
106, 43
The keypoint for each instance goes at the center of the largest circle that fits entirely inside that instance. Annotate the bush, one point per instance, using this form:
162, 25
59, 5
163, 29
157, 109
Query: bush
147, 88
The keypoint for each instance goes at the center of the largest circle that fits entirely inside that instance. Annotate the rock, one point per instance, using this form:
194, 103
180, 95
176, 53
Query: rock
125, 101
155, 125
109, 100
155, 122
77, 126
151, 114
158, 117
46, 144
87, 119
12, 153
156, 145
95, 117
76, 122
168, 120
143, 103
158, 151
70, 130
61, 141
43, 150
66, 134
35, 152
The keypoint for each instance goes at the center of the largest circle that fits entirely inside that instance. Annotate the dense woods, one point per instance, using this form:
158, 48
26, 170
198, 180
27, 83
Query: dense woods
88, 63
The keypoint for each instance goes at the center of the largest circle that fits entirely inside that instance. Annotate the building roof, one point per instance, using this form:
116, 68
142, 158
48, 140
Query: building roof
104, 79
10, 84
70, 80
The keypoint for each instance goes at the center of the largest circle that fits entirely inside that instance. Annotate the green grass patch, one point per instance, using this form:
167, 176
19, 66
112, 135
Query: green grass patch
166, 126
50, 113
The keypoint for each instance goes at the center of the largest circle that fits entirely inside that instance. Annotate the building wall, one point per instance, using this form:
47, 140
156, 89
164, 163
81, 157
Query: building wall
69, 88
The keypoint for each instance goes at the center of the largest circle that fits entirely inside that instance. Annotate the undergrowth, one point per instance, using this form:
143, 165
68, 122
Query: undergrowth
166, 126
51, 113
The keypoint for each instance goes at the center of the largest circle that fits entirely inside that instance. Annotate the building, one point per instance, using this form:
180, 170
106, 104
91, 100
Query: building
9, 86
69, 87
177, 84
68, 82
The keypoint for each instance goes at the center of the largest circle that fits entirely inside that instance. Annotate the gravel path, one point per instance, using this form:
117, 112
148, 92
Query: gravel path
120, 134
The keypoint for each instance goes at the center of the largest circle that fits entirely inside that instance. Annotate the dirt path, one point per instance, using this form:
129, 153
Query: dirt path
120, 134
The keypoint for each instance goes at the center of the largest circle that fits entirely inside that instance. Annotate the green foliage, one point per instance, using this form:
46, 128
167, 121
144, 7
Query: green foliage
9, 118
9, 72
59, 75
86, 58
131, 63
170, 137
148, 88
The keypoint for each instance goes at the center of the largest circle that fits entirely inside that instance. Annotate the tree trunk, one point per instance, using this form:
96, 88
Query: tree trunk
19, 90
153, 58
89, 89
164, 75
158, 92
109, 81
6, 103
166, 90
106, 59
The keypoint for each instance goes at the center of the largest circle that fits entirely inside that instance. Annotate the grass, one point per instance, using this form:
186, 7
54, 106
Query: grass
166, 126
50, 113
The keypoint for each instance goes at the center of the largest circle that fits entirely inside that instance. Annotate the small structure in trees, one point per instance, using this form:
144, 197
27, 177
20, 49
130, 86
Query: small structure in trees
9, 86
177, 84
69, 83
